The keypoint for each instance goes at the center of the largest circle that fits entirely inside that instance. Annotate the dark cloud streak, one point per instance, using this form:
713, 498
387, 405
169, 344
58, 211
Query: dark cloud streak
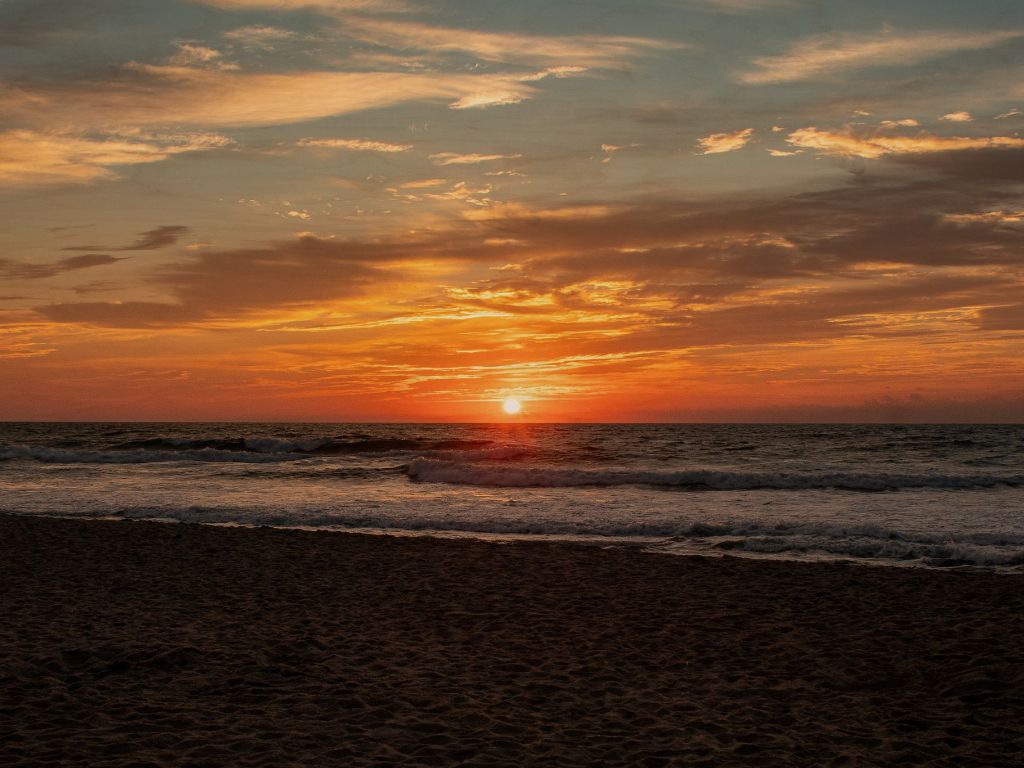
974, 164
150, 240
23, 271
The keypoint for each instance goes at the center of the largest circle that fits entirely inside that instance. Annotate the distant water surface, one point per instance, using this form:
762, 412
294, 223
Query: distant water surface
938, 495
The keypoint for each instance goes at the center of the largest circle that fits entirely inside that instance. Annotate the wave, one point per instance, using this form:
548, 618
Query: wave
774, 539
259, 451
498, 453
67, 456
872, 542
503, 476
306, 445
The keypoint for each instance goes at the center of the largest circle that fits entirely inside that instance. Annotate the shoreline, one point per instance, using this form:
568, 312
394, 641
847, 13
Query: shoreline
157, 645
655, 545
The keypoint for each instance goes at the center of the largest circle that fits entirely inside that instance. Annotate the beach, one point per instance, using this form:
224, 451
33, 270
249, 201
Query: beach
148, 644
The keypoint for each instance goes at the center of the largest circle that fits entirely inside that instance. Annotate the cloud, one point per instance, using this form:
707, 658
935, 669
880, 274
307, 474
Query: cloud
824, 233
197, 88
193, 54
851, 144
830, 54
119, 314
610, 150
24, 271
359, 145
1004, 318
996, 218
488, 99
876, 263
556, 72
906, 122
957, 117
462, 192
455, 158
29, 158
30, 23
571, 52
216, 284
150, 240
1009, 114
973, 164
725, 142
259, 36
320, 6
744, 6
422, 184
161, 95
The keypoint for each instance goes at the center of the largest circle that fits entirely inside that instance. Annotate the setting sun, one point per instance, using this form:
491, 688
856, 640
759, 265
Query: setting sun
512, 406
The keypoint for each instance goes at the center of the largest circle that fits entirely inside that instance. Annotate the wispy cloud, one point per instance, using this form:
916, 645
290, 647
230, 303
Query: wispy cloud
455, 158
358, 145
302, 271
150, 240
852, 144
321, 6
744, 6
161, 95
957, 117
556, 72
484, 99
36, 158
422, 184
194, 54
572, 51
27, 271
259, 36
998, 218
610, 150
831, 54
462, 192
725, 142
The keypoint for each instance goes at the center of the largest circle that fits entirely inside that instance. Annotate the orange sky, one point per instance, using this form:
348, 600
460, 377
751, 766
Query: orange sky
712, 210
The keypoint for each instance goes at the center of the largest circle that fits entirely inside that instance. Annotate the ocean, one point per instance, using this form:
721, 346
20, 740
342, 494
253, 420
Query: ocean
909, 495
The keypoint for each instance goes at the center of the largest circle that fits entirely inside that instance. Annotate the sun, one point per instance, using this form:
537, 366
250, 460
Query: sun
511, 406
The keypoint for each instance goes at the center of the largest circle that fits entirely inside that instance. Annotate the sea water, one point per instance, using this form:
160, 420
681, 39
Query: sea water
927, 495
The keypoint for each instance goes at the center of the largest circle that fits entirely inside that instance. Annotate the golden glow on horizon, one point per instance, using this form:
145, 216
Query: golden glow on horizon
512, 406
233, 224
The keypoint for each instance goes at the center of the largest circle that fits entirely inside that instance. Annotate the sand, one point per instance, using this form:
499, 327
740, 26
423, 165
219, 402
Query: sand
141, 644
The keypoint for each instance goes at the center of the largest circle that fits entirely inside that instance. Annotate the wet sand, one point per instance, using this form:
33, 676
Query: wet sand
140, 644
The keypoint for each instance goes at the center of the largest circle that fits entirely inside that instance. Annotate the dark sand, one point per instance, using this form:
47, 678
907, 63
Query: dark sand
139, 644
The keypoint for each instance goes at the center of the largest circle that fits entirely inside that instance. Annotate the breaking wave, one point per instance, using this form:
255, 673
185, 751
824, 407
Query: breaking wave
503, 476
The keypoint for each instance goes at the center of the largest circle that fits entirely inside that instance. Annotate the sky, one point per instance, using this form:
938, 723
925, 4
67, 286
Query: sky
410, 210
